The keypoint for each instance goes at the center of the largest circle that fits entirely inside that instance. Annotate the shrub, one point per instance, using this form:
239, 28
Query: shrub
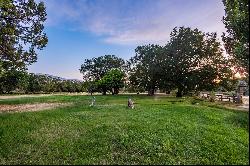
212, 97
196, 99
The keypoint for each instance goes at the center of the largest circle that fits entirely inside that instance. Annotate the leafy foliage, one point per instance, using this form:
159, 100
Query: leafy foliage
96, 68
13, 80
194, 60
236, 40
21, 32
112, 81
21, 35
23, 82
191, 60
145, 67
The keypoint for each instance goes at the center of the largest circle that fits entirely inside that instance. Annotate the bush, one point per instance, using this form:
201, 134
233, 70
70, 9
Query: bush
196, 99
212, 97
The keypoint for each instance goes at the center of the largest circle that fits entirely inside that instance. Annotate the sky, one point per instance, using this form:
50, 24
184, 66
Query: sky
83, 29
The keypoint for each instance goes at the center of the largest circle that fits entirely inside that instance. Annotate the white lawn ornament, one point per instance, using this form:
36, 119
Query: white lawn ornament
92, 102
130, 104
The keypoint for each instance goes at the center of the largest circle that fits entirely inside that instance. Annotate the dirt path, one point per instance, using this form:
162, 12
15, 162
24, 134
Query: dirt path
19, 96
30, 107
244, 107
39, 95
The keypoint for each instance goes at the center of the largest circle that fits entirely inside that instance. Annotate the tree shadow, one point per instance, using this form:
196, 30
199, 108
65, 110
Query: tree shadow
240, 120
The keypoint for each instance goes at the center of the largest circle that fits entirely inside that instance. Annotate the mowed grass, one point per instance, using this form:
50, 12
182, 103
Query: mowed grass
160, 130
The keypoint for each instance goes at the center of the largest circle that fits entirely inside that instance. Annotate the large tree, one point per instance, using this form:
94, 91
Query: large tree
95, 69
236, 40
14, 81
145, 67
112, 81
193, 60
21, 32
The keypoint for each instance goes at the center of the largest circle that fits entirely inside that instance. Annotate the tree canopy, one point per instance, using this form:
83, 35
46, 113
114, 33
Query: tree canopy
23, 82
21, 32
96, 68
191, 60
145, 67
236, 40
112, 81
194, 60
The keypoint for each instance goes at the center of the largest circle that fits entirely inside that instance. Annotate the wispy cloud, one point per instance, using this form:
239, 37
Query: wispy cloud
135, 21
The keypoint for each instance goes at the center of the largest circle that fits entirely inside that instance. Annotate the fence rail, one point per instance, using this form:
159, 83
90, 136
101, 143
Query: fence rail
220, 96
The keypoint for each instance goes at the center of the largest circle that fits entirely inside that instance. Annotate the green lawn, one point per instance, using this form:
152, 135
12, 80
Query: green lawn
160, 130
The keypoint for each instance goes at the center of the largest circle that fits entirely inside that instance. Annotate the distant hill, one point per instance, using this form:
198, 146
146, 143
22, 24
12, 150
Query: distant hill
59, 78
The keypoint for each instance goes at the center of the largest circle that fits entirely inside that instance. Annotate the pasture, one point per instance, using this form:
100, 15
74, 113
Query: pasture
159, 130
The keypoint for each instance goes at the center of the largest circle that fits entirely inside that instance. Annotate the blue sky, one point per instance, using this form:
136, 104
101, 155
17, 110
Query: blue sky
80, 29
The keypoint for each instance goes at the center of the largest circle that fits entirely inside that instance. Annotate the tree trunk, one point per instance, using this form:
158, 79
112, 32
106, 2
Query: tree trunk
168, 92
179, 92
185, 92
104, 91
151, 92
116, 91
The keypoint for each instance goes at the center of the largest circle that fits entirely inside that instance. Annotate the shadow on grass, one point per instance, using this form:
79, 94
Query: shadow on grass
239, 120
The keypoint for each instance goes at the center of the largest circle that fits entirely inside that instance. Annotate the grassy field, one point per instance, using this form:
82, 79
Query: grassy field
160, 130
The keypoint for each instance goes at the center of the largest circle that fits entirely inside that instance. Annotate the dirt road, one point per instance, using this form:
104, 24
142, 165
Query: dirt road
39, 95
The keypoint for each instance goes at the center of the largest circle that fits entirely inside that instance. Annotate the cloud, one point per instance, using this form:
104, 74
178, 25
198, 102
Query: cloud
132, 22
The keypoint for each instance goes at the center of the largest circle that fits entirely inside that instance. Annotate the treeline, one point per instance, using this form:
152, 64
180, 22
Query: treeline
191, 61
23, 82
